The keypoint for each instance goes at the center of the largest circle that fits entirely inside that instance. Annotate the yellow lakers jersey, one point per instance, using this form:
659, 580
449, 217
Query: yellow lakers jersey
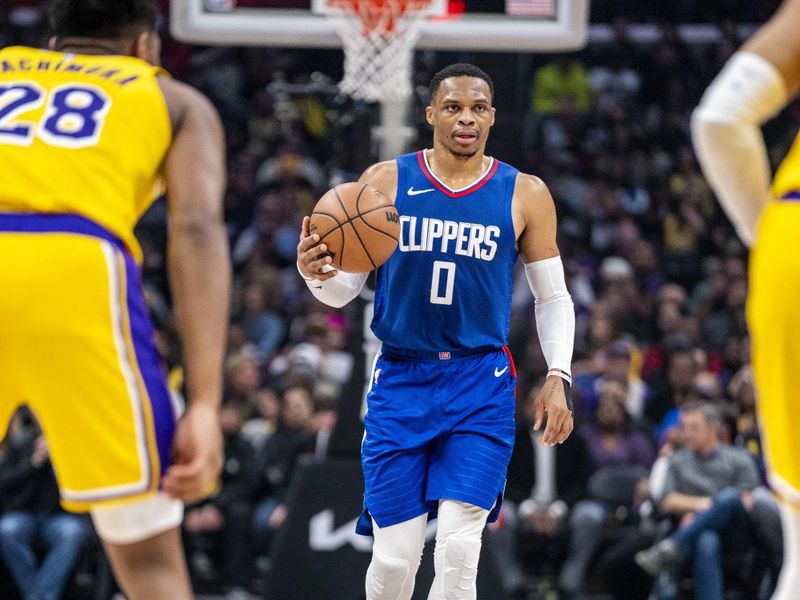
82, 135
786, 183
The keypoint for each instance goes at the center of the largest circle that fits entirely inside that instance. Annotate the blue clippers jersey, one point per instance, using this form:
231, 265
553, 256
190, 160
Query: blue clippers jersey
446, 291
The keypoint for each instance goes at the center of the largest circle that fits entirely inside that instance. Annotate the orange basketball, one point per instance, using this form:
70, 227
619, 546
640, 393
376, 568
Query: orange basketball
359, 224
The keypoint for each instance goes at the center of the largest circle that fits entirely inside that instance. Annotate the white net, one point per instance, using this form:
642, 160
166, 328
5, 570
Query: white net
378, 37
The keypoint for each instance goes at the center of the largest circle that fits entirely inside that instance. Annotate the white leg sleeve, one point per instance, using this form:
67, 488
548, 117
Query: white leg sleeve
458, 548
395, 559
789, 582
136, 521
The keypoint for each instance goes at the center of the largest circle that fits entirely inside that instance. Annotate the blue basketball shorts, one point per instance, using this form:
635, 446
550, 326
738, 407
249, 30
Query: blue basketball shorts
434, 430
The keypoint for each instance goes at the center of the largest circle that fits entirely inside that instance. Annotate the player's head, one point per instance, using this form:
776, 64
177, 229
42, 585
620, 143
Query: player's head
123, 26
459, 70
461, 110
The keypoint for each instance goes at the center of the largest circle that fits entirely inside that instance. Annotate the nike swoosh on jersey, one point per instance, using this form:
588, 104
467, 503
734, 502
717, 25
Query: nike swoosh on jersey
498, 372
413, 192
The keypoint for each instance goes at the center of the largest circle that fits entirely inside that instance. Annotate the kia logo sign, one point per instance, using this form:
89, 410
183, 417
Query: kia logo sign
322, 537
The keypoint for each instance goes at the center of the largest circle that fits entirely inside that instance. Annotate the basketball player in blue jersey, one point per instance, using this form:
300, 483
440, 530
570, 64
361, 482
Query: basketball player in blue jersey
439, 428
91, 131
756, 83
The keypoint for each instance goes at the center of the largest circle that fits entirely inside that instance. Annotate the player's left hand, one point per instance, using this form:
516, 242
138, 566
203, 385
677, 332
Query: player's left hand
552, 403
197, 455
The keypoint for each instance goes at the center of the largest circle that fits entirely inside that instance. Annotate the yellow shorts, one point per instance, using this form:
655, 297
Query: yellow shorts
773, 314
77, 347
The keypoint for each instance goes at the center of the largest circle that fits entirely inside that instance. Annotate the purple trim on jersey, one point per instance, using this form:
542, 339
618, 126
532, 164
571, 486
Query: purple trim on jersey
444, 189
142, 336
57, 223
149, 363
791, 196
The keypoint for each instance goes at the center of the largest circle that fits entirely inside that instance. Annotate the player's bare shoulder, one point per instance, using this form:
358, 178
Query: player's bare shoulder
382, 176
531, 201
183, 100
530, 188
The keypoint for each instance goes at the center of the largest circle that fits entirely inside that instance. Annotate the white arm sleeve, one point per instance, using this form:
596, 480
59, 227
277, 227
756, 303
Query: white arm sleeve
726, 130
555, 313
337, 291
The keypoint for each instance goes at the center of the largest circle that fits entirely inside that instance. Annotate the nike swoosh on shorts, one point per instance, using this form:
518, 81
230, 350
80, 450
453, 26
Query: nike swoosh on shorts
498, 372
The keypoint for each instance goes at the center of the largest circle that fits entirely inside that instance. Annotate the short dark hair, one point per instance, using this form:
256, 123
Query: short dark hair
109, 19
711, 413
459, 70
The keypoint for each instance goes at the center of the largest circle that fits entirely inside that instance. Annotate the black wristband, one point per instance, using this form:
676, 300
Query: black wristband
568, 394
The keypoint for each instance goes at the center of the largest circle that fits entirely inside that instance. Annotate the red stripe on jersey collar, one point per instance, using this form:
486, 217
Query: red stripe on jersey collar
446, 190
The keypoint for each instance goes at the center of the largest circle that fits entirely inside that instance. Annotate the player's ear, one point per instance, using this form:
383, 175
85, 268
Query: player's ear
494, 112
147, 46
140, 45
52, 43
429, 114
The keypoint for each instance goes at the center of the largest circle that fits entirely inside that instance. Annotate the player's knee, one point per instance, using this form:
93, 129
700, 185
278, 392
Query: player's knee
386, 576
461, 554
138, 520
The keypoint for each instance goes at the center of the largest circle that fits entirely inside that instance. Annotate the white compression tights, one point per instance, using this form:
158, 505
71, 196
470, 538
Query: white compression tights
395, 559
398, 549
789, 581
458, 547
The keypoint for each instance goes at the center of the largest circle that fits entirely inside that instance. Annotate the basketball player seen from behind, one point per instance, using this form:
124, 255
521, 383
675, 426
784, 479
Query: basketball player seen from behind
440, 416
755, 84
87, 130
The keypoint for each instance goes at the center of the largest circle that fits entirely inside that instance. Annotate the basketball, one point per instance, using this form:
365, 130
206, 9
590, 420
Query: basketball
359, 225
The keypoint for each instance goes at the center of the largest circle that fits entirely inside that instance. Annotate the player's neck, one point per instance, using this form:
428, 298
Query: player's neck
456, 171
90, 46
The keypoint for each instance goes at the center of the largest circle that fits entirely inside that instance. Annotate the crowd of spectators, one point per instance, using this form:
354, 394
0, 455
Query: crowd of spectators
655, 270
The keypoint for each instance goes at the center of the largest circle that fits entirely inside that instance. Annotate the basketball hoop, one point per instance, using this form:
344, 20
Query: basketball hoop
378, 37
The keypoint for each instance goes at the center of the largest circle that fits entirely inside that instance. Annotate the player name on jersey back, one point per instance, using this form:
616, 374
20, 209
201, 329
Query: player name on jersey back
84, 135
21, 66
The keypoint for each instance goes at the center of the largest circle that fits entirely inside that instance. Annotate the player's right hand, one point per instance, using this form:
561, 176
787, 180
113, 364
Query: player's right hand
197, 455
312, 260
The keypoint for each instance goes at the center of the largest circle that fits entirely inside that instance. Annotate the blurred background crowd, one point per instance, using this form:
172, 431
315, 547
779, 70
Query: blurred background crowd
657, 275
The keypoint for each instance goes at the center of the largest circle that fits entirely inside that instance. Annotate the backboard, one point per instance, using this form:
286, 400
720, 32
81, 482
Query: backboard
507, 25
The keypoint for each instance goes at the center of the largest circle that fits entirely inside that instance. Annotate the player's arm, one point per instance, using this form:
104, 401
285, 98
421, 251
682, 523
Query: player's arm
328, 285
199, 273
755, 84
535, 214
778, 42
